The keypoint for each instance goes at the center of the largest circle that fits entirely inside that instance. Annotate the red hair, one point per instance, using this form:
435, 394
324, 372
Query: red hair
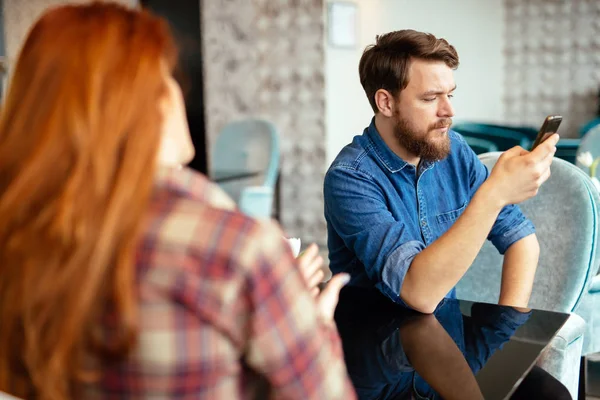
79, 137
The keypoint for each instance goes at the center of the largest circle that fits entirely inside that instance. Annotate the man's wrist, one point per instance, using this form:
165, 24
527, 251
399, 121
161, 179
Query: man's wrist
488, 195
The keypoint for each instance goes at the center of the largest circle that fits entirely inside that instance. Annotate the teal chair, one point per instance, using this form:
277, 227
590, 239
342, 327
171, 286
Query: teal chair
566, 148
249, 150
528, 131
565, 214
503, 138
479, 145
589, 126
590, 143
257, 201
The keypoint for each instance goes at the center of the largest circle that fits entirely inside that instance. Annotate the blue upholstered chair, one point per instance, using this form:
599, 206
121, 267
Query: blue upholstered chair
257, 201
480, 145
503, 138
528, 131
587, 127
591, 144
566, 149
249, 149
565, 213
507, 136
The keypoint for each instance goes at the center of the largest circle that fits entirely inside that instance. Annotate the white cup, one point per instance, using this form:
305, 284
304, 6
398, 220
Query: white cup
295, 244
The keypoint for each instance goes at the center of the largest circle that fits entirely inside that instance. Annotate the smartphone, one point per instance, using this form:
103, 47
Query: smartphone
550, 125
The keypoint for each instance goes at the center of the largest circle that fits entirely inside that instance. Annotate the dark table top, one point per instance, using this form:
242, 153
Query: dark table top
462, 350
222, 176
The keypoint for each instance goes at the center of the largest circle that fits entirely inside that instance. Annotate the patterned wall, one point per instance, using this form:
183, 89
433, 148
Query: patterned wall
552, 61
266, 58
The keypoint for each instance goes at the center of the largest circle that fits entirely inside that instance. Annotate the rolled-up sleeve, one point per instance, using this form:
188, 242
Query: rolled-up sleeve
357, 210
511, 225
395, 269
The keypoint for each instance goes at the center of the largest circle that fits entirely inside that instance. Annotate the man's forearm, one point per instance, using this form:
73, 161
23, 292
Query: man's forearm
437, 269
518, 272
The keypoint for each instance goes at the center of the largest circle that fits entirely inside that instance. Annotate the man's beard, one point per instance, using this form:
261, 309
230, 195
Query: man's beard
421, 144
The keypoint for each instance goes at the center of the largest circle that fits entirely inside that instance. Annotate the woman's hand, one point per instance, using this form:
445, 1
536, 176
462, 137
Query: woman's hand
311, 263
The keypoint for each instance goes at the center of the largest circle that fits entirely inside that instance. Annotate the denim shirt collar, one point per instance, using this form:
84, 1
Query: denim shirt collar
388, 158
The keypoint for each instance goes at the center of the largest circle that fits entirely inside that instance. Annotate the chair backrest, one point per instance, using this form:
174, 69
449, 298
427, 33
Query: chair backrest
590, 143
587, 127
565, 214
250, 145
479, 145
528, 131
503, 138
257, 201
566, 149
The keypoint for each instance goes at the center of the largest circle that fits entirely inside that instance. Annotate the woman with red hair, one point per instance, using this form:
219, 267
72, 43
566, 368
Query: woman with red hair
120, 275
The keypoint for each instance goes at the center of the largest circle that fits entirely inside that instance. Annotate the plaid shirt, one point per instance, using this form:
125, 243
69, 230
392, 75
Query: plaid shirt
224, 310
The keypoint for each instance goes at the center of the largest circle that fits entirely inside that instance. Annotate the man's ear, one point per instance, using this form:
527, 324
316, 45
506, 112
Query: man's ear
385, 102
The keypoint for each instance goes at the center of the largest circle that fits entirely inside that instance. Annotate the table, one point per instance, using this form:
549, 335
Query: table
463, 350
222, 176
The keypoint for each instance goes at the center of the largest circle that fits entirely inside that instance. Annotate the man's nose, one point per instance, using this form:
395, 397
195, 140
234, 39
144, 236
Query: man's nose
446, 110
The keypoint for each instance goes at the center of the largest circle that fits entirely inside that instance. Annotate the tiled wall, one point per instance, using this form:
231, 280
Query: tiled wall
552, 61
265, 58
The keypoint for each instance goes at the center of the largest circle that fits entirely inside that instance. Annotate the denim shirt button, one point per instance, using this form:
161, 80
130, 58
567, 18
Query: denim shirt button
423, 222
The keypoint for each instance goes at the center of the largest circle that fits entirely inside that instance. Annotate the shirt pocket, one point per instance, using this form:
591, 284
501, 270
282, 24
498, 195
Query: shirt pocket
446, 219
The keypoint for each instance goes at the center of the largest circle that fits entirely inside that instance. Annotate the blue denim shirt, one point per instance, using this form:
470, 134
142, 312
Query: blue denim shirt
381, 211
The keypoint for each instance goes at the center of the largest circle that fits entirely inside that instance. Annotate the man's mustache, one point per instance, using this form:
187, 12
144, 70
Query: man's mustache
442, 123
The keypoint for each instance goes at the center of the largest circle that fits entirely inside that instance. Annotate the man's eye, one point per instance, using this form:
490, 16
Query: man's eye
429, 99
450, 96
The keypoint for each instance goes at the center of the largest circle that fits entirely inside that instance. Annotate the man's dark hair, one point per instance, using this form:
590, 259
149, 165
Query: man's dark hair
385, 64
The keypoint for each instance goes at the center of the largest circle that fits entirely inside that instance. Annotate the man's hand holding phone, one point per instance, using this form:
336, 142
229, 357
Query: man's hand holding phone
518, 174
549, 127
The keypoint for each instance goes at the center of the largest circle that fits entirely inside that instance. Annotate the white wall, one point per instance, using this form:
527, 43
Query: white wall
474, 27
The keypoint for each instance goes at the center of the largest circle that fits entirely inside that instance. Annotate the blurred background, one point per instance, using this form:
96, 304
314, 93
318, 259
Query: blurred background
273, 93
294, 64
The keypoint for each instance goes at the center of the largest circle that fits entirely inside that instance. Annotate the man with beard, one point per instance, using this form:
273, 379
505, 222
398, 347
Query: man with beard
408, 204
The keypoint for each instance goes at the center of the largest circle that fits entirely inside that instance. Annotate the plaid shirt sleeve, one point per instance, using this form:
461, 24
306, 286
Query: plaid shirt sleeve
301, 357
